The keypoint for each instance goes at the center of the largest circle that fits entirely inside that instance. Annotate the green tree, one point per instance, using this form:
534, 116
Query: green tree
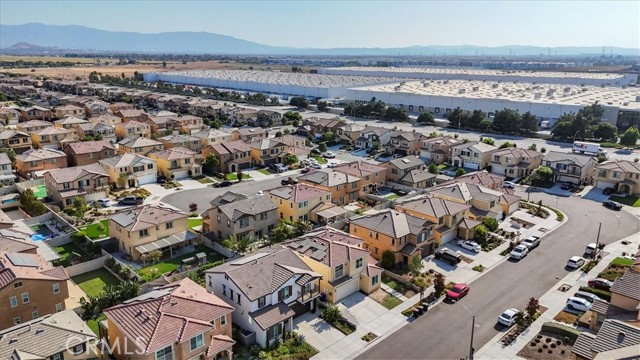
485, 125
506, 144
422, 283
322, 105
460, 172
439, 284
301, 227
281, 232
433, 168
565, 127
80, 206
299, 102
544, 173
295, 123
532, 308
291, 116
388, 260
211, 163
528, 124
216, 124
329, 137
543, 150
243, 244
630, 137
507, 121
426, 118
154, 256
239, 175
376, 145
416, 265
290, 159
488, 141
30, 204
395, 114
476, 119
322, 147
606, 132
533, 147
459, 118
480, 233
10, 153
490, 223
331, 314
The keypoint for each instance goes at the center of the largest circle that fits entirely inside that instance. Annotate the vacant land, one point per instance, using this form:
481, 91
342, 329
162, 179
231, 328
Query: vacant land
94, 282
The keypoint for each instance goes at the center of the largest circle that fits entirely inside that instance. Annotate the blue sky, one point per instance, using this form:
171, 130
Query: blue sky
322, 24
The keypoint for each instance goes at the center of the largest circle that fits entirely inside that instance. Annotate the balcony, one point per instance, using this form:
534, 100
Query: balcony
306, 296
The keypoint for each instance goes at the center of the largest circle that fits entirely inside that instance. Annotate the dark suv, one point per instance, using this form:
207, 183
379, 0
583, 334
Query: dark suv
131, 200
449, 256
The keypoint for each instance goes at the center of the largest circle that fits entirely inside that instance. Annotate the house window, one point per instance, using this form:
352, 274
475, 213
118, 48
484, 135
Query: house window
339, 271
223, 320
244, 223
13, 301
196, 342
170, 225
78, 349
224, 290
359, 263
56, 288
274, 332
34, 315
144, 232
231, 294
25, 298
239, 301
375, 280
16, 320
165, 354
58, 307
262, 302
263, 216
17, 284
284, 293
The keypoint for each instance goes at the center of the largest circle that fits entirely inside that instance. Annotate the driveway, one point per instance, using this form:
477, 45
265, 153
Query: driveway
317, 332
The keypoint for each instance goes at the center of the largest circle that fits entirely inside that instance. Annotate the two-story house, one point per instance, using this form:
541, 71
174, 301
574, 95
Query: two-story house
614, 340
397, 168
267, 289
89, 182
251, 217
249, 133
438, 149
130, 170
349, 133
39, 160
131, 115
624, 303
233, 155
70, 123
180, 320
213, 136
139, 145
146, 228
96, 108
344, 188
184, 141
340, 259
404, 235
373, 176
295, 202
176, 163
472, 155
107, 119
53, 138
321, 126
418, 178
36, 113
484, 202
119, 106
621, 175
404, 143
570, 167
33, 125
6, 171
484, 179
30, 288
68, 110
88, 152
97, 131
371, 135
16, 140
265, 118
133, 129
9, 115
515, 162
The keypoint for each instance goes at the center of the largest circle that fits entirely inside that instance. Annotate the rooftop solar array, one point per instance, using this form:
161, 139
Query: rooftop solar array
18, 259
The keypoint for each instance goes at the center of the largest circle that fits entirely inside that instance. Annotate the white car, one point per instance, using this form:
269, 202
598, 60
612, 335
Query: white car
508, 317
315, 166
509, 185
587, 296
519, 252
579, 304
104, 202
469, 245
260, 193
331, 165
329, 155
575, 262
531, 242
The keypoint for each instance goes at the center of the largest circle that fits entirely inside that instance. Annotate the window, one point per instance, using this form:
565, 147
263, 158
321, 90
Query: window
244, 222
25, 298
262, 302
196, 342
359, 263
223, 320
58, 307
56, 288
35, 315
224, 290
339, 271
231, 294
284, 293
16, 320
78, 349
164, 354
239, 301
374, 280
170, 225
13, 301
144, 232
263, 216
17, 284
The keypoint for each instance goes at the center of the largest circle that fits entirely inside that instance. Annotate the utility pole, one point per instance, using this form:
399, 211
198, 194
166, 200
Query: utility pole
598, 237
473, 325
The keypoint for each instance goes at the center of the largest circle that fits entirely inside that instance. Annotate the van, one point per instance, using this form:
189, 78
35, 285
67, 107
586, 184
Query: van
449, 256
590, 249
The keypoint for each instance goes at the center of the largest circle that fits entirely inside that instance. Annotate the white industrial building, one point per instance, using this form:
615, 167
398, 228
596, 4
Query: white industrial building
527, 76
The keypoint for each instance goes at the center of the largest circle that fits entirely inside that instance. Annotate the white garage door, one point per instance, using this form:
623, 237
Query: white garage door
425, 155
448, 236
570, 179
347, 288
146, 179
604, 184
472, 165
181, 174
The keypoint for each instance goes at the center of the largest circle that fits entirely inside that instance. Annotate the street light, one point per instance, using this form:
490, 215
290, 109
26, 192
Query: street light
473, 325
574, 135
598, 236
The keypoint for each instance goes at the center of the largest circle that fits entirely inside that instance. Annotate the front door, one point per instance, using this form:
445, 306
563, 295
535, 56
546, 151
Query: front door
132, 183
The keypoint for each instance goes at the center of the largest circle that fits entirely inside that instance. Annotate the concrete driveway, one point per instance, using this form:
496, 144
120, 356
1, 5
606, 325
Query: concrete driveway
317, 332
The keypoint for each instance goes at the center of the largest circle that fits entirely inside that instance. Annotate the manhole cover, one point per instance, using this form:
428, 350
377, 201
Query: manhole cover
564, 288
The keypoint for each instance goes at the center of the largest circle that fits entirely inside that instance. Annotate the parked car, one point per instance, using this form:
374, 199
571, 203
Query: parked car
329, 155
223, 184
288, 181
531, 242
508, 317
575, 262
608, 191
600, 283
519, 252
457, 292
260, 193
305, 162
576, 303
587, 296
131, 200
315, 166
370, 150
590, 249
469, 245
331, 165
509, 185
305, 170
280, 168
104, 202
612, 205
566, 186
447, 255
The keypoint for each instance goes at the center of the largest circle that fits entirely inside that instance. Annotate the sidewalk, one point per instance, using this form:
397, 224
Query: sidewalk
555, 300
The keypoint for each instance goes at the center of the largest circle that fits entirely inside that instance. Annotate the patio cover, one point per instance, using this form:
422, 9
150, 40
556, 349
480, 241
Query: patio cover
167, 241
332, 212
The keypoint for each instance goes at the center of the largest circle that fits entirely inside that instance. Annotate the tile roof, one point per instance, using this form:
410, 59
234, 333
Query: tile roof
126, 160
180, 138
40, 154
516, 152
622, 165
70, 120
175, 153
132, 124
34, 123
4, 159
211, 134
432, 206
228, 197
45, 336
250, 206
145, 216
578, 159
329, 246
392, 223
359, 168
265, 272
483, 178
86, 147
95, 126
252, 131
328, 178
169, 314
407, 162
582, 346
230, 147
219, 343
13, 241
444, 140
24, 266
52, 131
72, 173
272, 314
415, 176
131, 113
139, 142
8, 134
614, 334
628, 284
108, 118
300, 192
465, 191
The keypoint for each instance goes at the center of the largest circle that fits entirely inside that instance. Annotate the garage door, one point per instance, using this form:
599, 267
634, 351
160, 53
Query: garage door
604, 184
425, 155
347, 288
146, 179
181, 174
472, 165
448, 236
571, 179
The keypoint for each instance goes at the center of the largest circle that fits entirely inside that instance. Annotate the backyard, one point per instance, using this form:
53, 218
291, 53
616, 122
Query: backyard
398, 286
94, 282
193, 222
69, 252
385, 299
93, 323
169, 265
97, 230
628, 200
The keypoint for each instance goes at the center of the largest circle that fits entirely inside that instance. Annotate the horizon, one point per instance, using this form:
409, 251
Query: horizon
592, 24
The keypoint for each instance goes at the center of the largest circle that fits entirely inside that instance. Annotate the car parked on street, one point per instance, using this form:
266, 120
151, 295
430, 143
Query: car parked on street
315, 166
509, 185
590, 249
531, 242
600, 283
331, 165
288, 181
612, 205
223, 184
587, 296
579, 304
329, 155
305, 170
469, 245
447, 255
131, 200
457, 292
575, 262
508, 317
519, 252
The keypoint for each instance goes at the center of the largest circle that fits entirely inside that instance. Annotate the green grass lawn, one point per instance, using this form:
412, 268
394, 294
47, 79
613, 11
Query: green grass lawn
205, 180
66, 251
264, 171
93, 323
94, 282
616, 268
392, 197
442, 166
620, 261
234, 176
391, 301
40, 191
191, 223
626, 200
92, 230
172, 264
320, 159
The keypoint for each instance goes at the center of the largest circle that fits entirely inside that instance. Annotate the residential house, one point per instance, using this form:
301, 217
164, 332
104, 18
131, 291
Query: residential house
88, 152
373, 176
227, 198
176, 163
36, 113
265, 118
52, 138
404, 143
438, 149
267, 289
321, 126
10, 115
187, 124
130, 170
39, 161
349, 133
371, 135
249, 133
16, 140
96, 108
139, 146
397, 168
252, 217
570, 167
68, 110
89, 182
447, 215
70, 123
472, 155
60, 335
344, 187
176, 321
96, 130
146, 228
240, 116
30, 288
406, 236
133, 129
295, 202
33, 125
6, 171
184, 141
418, 179
624, 304
485, 202
485, 179
271, 151
615, 340
131, 115
213, 136
340, 259
621, 175
107, 119
233, 155
515, 162
119, 106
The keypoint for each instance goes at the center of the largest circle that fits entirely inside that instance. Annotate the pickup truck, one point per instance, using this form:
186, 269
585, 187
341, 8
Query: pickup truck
531, 242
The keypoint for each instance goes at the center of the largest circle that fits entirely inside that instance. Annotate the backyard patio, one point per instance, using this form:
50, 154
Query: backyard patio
169, 265
97, 230
94, 282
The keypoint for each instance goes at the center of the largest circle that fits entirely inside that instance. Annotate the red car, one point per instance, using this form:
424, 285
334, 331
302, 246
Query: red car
457, 292
599, 283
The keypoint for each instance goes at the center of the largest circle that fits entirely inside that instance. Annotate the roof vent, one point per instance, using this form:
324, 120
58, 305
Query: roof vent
39, 331
13, 341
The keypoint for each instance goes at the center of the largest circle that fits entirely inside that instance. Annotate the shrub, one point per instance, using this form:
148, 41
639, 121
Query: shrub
116, 268
100, 227
490, 223
331, 314
540, 350
565, 331
110, 262
388, 259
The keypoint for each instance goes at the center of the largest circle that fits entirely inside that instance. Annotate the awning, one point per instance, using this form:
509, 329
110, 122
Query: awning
165, 242
271, 315
332, 212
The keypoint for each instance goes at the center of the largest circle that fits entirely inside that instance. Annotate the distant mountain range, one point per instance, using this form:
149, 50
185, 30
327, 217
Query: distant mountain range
81, 38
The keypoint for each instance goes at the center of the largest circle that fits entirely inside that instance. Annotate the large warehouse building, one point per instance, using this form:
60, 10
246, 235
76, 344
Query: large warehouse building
439, 73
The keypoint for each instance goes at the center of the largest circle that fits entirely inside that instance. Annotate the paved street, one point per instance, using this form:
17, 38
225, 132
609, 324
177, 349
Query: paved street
443, 333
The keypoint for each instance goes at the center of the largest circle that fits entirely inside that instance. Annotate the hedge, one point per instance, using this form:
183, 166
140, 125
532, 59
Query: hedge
602, 294
564, 331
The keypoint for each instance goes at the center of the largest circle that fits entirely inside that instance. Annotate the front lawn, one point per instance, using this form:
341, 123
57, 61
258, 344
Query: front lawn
320, 159
205, 180
264, 171
616, 268
391, 301
193, 222
94, 282
93, 323
172, 264
94, 233
628, 200
234, 176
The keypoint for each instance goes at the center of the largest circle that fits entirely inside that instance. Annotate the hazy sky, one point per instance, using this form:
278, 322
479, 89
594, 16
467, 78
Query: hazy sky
322, 24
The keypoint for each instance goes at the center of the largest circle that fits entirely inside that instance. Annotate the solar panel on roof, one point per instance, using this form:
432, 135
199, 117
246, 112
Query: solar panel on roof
248, 259
22, 260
